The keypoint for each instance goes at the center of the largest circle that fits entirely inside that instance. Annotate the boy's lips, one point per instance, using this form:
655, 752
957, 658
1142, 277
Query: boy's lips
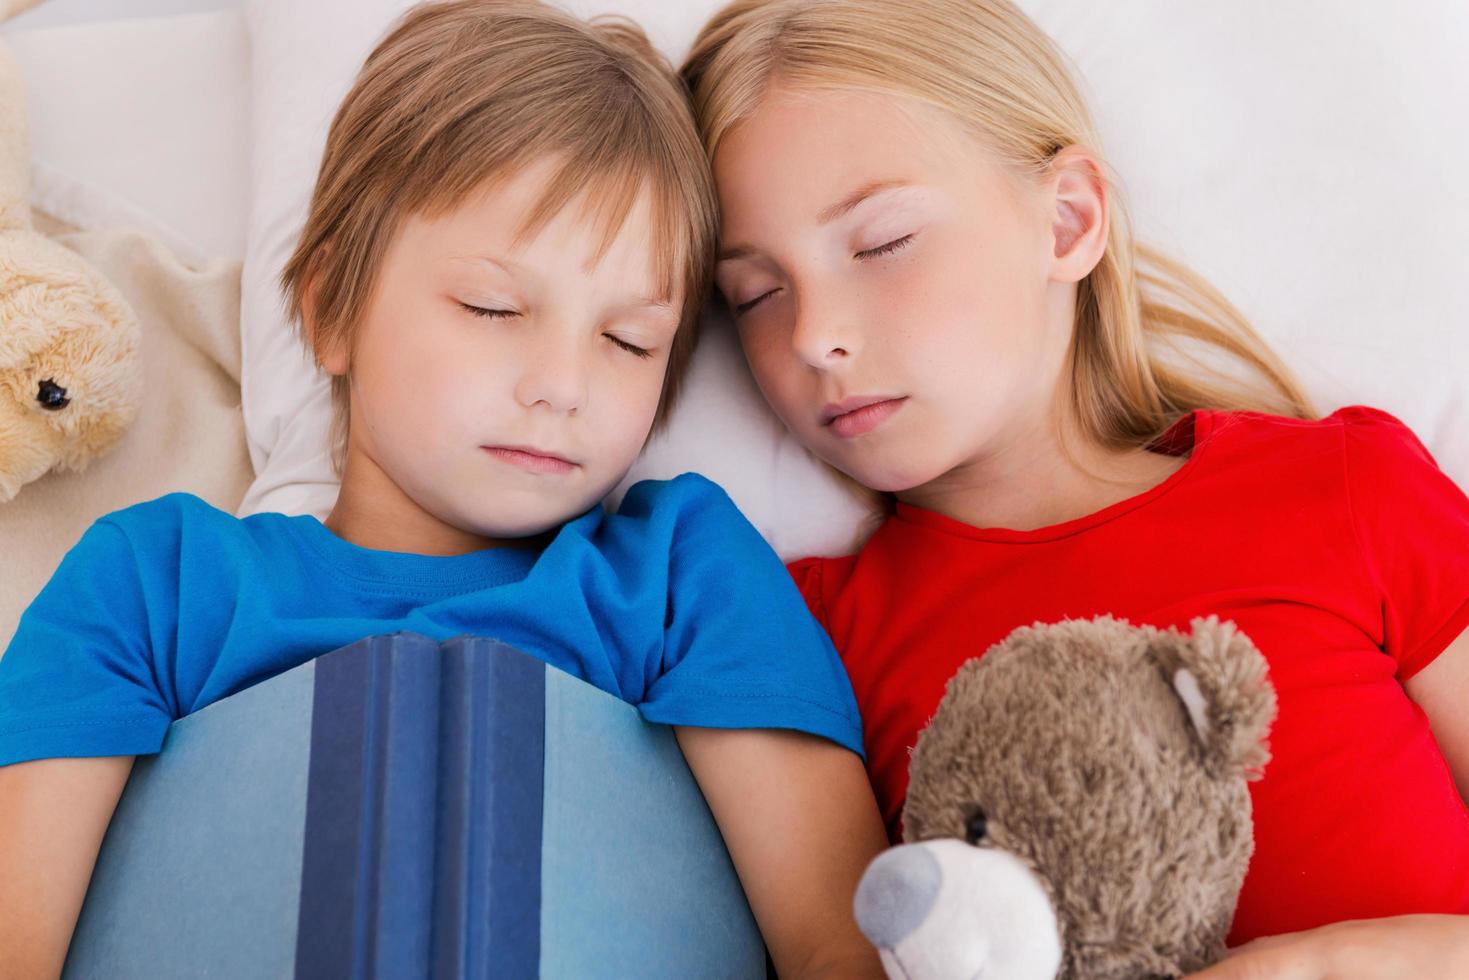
853, 417
531, 459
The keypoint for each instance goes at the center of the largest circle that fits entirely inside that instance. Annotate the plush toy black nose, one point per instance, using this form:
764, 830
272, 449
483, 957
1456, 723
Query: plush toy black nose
975, 826
52, 396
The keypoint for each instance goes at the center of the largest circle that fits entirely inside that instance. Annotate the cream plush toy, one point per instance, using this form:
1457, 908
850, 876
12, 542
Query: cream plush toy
70, 378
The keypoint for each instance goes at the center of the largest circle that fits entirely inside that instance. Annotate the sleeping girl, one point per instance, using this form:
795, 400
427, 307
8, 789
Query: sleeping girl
934, 283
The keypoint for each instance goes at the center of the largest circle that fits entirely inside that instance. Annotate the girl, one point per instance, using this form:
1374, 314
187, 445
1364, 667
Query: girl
935, 289
502, 263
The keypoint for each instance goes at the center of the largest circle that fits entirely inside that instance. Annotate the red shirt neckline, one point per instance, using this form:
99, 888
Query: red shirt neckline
1189, 434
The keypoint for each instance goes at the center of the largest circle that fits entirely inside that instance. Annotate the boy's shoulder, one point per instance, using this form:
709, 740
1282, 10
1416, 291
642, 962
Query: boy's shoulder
170, 511
683, 495
692, 514
178, 523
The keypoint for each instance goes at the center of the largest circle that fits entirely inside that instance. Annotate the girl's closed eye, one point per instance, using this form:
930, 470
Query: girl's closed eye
888, 249
740, 309
491, 312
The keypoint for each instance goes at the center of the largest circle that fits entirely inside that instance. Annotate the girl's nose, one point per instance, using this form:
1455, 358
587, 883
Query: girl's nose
820, 339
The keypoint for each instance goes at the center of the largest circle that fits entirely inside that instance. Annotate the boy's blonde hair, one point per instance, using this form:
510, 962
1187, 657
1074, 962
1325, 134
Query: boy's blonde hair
461, 92
987, 65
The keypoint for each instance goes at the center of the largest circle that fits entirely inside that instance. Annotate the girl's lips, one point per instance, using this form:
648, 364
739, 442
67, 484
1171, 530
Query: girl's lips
530, 460
862, 420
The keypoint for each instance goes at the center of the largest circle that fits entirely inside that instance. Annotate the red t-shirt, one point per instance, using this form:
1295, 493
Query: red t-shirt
1338, 546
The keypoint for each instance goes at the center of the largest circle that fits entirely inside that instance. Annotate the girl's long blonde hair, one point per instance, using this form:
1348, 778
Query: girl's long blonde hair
1153, 340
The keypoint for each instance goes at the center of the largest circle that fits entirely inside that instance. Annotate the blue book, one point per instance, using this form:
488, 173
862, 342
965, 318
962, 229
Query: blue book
401, 808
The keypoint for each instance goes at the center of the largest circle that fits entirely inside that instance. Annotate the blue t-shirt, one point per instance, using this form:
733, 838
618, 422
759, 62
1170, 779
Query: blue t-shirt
674, 604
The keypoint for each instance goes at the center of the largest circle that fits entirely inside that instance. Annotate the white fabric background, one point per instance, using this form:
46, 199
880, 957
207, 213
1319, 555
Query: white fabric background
1304, 156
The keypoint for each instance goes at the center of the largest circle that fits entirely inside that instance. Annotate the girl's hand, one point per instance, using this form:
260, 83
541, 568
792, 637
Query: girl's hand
1408, 947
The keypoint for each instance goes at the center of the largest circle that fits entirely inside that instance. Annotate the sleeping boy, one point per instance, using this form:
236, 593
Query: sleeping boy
502, 266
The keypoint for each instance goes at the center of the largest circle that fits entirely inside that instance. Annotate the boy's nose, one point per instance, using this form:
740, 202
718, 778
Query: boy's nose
555, 378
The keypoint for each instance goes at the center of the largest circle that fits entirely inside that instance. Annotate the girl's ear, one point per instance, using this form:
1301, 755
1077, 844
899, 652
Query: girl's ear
1079, 214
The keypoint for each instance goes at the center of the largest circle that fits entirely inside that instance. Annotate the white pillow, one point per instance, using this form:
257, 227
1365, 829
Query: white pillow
165, 97
303, 58
1298, 155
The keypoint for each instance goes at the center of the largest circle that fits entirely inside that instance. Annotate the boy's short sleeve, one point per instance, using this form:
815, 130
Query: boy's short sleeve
741, 650
77, 677
1412, 522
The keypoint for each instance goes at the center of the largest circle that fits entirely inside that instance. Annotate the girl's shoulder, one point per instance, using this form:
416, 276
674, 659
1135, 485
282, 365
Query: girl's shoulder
1355, 436
818, 578
1366, 459
1375, 433
1356, 422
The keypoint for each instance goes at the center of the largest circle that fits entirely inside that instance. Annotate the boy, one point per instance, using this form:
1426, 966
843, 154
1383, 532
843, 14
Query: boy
506, 250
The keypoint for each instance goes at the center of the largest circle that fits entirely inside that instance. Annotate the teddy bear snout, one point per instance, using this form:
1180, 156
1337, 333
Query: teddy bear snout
896, 894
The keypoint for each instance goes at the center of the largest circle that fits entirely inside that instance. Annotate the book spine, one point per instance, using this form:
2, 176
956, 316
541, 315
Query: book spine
422, 844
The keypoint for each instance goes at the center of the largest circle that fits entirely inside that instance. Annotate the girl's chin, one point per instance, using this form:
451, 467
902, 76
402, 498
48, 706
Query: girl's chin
884, 479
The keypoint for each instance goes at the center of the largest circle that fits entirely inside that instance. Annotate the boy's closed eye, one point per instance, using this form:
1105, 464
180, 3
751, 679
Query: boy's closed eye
642, 352
503, 314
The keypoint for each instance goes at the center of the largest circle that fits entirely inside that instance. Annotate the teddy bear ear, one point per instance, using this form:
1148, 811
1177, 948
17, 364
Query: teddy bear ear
1221, 680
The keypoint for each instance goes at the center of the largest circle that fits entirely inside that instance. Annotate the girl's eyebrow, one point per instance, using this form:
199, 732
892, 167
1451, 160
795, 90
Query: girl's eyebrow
825, 217
735, 252
848, 203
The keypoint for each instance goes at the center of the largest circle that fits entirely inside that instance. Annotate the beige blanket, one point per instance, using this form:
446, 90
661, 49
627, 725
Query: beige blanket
189, 435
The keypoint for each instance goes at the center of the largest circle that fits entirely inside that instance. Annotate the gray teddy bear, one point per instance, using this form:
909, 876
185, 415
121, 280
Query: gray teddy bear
1077, 808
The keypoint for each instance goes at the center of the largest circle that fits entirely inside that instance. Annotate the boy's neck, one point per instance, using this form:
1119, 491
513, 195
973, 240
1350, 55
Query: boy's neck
373, 512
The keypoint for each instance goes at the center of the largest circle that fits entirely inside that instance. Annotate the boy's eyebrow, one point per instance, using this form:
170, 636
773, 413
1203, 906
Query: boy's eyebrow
660, 309
637, 303
649, 303
505, 265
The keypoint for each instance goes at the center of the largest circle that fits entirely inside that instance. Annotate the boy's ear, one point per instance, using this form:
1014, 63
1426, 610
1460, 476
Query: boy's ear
1080, 214
331, 352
